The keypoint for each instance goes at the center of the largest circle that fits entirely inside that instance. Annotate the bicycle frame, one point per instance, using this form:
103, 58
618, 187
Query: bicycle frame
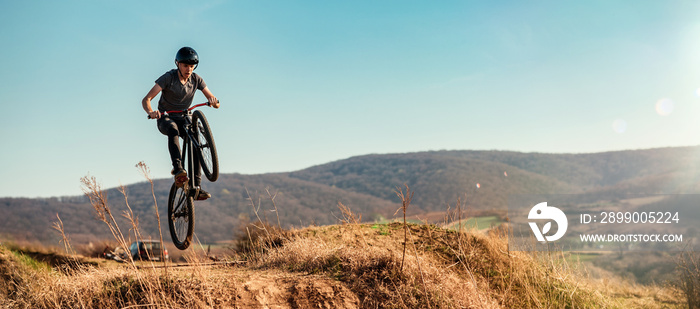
188, 146
189, 143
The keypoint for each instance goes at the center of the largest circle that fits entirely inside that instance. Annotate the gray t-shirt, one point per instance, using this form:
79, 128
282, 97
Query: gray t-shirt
175, 95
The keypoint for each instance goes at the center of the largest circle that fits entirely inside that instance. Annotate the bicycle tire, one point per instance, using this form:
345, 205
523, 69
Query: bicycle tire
180, 216
206, 153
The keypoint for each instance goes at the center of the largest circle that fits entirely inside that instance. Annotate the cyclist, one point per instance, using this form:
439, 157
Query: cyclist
178, 86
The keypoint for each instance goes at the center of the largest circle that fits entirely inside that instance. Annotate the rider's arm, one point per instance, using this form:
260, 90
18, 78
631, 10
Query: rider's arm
146, 102
210, 97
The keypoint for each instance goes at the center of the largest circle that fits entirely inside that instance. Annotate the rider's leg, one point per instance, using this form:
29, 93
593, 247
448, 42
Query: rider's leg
169, 127
197, 173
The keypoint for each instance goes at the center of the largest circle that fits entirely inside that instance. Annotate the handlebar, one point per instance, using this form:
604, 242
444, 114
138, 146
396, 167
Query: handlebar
185, 110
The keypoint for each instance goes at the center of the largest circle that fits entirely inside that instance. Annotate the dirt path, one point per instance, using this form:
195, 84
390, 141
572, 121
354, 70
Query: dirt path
287, 290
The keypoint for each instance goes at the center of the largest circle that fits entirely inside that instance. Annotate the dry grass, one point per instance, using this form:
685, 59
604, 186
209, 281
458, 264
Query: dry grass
93, 287
373, 272
689, 268
351, 265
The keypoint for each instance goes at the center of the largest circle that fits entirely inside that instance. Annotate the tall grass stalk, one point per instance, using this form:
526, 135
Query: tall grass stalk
349, 217
272, 199
256, 209
147, 174
405, 201
64, 238
154, 291
93, 190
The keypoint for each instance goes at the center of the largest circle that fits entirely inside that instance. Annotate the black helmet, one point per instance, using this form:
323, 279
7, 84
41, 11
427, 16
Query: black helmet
187, 55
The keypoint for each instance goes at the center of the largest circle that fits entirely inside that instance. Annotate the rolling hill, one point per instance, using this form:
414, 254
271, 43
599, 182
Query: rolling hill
367, 185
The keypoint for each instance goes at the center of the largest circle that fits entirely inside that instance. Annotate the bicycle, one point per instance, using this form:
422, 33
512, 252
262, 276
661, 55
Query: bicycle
198, 144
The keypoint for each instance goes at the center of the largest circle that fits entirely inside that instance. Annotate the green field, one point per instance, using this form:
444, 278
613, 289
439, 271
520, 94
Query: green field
582, 257
478, 223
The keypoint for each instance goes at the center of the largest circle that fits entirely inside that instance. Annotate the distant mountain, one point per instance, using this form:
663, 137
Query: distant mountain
437, 179
367, 185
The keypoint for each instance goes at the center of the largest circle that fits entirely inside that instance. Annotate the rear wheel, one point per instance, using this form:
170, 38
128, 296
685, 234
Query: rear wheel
180, 216
207, 149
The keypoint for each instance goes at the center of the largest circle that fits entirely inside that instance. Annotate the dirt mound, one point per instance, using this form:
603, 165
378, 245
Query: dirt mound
344, 266
115, 285
288, 290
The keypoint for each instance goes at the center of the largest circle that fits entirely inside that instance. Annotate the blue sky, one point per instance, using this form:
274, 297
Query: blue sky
309, 82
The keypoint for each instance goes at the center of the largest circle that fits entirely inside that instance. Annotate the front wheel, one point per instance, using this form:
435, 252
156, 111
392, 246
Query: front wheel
180, 216
207, 149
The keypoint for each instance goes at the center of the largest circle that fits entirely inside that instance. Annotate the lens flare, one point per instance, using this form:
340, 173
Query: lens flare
478, 186
619, 126
664, 107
